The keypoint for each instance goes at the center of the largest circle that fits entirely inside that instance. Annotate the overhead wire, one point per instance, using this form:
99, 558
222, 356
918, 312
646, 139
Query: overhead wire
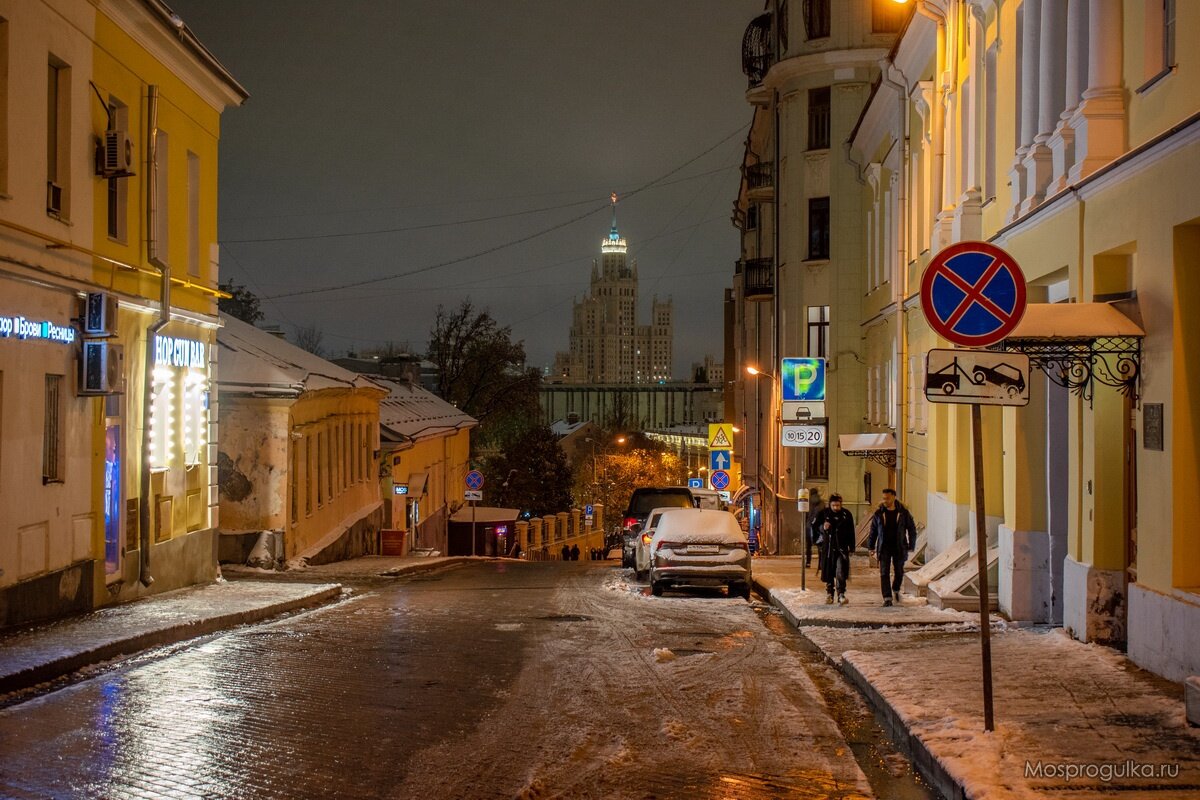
513, 242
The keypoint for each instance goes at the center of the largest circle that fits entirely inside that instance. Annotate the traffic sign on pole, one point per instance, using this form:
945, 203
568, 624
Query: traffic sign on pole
719, 479
474, 479
802, 380
695, 483
973, 294
719, 459
977, 376
720, 436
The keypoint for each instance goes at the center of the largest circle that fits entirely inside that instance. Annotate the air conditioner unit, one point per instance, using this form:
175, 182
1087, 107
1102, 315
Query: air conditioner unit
99, 314
101, 368
116, 157
54, 198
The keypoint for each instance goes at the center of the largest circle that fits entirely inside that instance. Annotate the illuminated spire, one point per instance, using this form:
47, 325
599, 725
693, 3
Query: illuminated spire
614, 243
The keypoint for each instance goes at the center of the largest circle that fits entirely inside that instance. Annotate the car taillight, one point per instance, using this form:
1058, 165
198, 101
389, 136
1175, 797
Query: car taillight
630, 522
667, 545
646, 537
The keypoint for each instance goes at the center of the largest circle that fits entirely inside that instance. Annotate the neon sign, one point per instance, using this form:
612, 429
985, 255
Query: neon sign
171, 351
23, 328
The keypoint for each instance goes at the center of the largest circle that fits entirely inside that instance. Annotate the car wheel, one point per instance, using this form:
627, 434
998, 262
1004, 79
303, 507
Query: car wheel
947, 388
656, 588
640, 574
745, 592
979, 378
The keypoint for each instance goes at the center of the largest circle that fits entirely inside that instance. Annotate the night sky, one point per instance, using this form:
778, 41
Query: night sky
474, 126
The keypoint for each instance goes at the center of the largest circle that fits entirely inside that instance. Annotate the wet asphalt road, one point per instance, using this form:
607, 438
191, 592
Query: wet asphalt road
497, 679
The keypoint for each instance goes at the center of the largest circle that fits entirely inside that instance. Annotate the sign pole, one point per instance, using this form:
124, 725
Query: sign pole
472, 527
985, 633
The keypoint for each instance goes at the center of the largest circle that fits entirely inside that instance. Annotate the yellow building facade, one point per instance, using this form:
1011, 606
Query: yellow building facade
1067, 133
426, 455
109, 191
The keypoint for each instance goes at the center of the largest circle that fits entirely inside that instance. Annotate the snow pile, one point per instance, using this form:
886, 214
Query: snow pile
662, 654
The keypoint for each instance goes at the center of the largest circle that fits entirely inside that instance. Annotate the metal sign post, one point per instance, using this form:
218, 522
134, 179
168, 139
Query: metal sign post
474, 494
985, 623
973, 295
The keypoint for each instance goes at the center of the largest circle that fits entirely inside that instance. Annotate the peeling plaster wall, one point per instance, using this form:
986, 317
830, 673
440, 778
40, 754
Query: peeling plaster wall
253, 463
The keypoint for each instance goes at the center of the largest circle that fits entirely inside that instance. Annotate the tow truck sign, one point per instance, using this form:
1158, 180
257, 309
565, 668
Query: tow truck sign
977, 376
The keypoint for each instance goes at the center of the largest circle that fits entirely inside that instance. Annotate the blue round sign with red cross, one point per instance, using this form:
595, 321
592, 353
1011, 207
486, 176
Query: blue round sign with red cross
475, 479
973, 294
719, 479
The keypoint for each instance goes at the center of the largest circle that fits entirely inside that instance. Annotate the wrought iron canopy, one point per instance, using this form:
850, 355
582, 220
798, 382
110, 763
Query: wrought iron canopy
1079, 364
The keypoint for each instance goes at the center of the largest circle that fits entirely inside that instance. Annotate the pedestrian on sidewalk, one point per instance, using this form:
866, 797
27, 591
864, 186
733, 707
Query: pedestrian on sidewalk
566, 553
815, 506
834, 526
893, 537
574, 552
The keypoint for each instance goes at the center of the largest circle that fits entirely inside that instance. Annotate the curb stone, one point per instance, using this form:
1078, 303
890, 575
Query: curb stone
930, 768
65, 665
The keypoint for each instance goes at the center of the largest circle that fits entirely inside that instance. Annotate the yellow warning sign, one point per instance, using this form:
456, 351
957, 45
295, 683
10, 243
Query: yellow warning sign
720, 436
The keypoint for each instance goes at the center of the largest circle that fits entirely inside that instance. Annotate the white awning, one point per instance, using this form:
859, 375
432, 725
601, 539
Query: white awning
855, 443
1076, 321
416, 483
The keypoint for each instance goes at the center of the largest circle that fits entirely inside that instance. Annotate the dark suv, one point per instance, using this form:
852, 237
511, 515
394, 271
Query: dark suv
641, 503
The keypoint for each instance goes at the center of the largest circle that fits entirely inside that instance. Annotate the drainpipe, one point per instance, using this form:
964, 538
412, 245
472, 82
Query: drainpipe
164, 316
776, 328
900, 285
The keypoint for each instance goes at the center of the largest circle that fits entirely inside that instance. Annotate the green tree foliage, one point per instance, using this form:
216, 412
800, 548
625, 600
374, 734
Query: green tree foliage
530, 474
244, 304
482, 371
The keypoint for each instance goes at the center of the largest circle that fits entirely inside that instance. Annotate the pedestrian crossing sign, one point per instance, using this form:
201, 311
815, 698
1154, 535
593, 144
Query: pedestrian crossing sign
720, 436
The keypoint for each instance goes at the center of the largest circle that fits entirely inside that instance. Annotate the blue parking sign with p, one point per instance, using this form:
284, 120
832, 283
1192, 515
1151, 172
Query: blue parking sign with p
802, 380
695, 483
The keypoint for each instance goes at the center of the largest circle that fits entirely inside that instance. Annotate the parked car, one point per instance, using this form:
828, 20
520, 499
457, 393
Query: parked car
699, 547
644, 500
641, 543
707, 498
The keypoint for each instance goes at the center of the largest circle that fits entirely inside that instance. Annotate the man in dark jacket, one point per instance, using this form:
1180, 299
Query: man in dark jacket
834, 527
893, 537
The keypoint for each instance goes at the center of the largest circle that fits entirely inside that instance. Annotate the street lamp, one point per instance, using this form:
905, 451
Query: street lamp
756, 372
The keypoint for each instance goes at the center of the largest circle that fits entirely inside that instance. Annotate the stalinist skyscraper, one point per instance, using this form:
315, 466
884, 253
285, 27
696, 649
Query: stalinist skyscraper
607, 345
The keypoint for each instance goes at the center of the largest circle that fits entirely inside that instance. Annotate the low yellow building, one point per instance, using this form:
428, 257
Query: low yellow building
108, 217
426, 444
299, 450
1068, 133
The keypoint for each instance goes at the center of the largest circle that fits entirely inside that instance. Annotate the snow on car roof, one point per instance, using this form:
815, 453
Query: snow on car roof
677, 522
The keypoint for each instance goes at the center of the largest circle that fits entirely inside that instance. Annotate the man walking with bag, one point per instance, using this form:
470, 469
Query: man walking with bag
893, 537
834, 527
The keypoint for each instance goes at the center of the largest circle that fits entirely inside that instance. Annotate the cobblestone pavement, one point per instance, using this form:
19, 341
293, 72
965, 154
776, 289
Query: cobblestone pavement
498, 679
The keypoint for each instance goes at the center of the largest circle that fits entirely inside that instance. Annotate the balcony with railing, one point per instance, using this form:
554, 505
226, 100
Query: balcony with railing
757, 49
760, 181
758, 279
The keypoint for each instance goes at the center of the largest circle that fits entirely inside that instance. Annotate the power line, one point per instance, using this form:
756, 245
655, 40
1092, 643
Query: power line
450, 223
514, 242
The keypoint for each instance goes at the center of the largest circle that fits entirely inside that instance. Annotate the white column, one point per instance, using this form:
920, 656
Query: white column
1062, 143
1099, 122
968, 216
1030, 16
1052, 89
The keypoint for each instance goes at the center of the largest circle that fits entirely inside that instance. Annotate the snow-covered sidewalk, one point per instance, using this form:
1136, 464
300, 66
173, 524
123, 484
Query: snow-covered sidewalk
47, 652
778, 580
1072, 719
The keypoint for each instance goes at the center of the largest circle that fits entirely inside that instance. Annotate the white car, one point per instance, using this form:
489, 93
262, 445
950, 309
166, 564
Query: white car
641, 545
698, 547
